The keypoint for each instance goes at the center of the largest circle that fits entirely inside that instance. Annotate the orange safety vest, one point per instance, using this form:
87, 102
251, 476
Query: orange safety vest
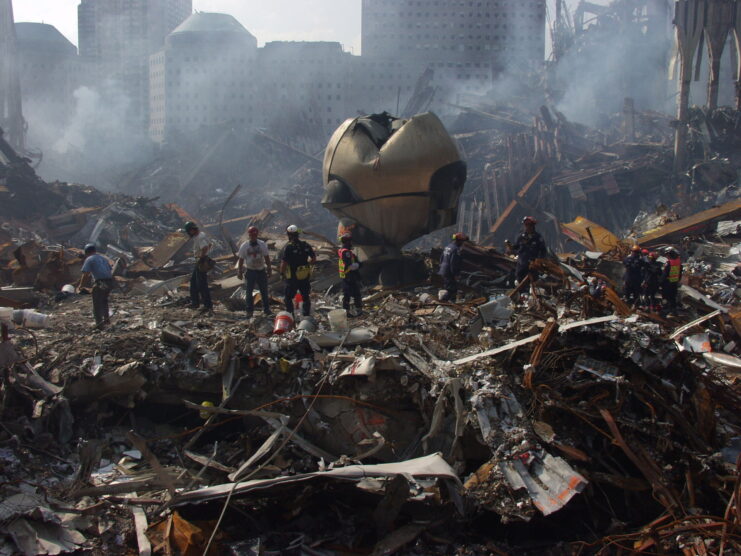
342, 266
675, 267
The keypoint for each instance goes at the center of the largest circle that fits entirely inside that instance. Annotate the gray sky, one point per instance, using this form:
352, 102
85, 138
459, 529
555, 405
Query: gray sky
332, 20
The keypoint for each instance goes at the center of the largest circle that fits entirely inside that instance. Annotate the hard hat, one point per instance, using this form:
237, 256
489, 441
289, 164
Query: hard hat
652, 255
89, 247
292, 229
68, 288
644, 251
635, 248
347, 236
253, 230
190, 226
529, 220
460, 236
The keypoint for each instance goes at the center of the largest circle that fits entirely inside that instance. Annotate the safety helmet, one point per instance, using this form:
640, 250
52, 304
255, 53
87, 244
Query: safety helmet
529, 220
90, 247
292, 229
252, 230
644, 251
190, 226
347, 236
635, 248
652, 255
460, 236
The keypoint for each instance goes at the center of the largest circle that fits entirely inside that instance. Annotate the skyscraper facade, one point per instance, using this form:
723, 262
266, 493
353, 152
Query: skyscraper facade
468, 43
116, 38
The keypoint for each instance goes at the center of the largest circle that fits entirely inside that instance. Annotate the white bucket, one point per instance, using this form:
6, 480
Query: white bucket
32, 319
338, 320
6, 314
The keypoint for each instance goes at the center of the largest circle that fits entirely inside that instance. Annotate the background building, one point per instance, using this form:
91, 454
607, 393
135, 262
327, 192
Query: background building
49, 74
116, 39
203, 76
211, 72
11, 112
468, 43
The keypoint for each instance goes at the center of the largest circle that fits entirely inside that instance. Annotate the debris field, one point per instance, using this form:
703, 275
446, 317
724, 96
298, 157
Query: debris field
522, 419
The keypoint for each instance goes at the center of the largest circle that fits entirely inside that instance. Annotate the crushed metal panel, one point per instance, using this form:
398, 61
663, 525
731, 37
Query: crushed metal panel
550, 482
428, 466
590, 234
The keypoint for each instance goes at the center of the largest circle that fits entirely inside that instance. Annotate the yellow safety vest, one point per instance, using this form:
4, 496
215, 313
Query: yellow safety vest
342, 265
675, 267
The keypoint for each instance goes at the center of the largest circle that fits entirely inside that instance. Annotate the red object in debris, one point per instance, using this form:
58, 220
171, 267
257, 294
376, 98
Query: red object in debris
283, 323
298, 302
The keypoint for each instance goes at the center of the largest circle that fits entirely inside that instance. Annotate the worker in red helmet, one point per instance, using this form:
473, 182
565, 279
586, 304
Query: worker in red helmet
450, 266
253, 255
349, 266
633, 276
528, 247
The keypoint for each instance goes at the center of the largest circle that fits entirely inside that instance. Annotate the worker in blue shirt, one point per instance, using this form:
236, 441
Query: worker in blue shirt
99, 268
633, 276
528, 247
450, 266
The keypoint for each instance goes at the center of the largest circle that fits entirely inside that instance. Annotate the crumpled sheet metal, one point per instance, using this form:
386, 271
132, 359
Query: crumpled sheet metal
590, 234
428, 466
407, 187
549, 481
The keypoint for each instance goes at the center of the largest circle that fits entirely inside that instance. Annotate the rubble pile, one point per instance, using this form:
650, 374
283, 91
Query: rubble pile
520, 421
557, 170
541, 416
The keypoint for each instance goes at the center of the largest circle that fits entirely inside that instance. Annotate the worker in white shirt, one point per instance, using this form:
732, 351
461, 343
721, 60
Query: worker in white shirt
254, 257
203, 263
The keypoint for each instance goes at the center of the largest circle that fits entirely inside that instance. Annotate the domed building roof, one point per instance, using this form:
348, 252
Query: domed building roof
210, 26
41, 36
205, 22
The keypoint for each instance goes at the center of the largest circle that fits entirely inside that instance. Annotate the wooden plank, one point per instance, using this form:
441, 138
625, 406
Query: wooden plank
507, 212
695, 224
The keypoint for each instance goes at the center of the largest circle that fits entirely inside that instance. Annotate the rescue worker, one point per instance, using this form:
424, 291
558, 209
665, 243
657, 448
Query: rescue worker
450, 266
652, 272
671, 276
633, 277
349, 266
596, 287
296, 260
99, 268
199, 291
528, 247
254, 255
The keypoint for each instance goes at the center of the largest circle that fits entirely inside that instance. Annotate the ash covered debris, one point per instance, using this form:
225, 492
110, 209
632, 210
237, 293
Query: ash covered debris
543, 416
